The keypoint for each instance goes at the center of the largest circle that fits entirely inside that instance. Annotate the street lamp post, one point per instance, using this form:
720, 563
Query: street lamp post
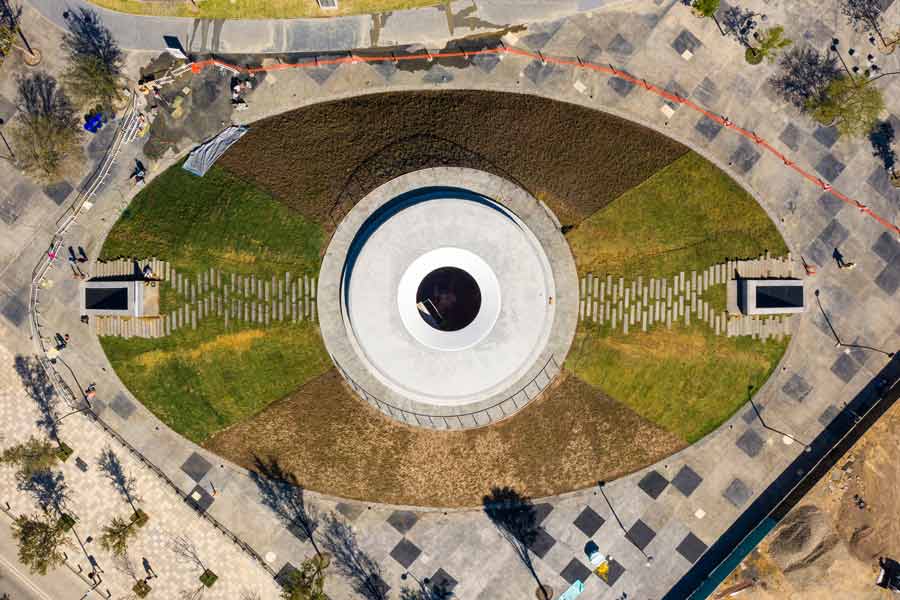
600, 486
8, 148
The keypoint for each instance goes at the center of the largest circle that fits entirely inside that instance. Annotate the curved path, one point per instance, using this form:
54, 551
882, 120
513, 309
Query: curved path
433, 26
673, 510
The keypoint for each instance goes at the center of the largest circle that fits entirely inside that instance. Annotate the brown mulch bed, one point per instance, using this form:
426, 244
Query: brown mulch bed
323, 158
334, 443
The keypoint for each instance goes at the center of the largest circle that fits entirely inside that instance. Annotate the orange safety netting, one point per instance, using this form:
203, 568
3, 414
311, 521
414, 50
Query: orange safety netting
578, 63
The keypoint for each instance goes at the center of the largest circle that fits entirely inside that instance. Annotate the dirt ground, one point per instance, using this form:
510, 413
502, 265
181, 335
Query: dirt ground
828, 547
333, 443
323, 158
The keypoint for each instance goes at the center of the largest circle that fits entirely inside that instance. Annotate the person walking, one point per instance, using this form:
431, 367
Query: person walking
839, 259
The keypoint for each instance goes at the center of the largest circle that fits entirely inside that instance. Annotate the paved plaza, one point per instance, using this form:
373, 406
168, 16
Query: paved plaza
672, 511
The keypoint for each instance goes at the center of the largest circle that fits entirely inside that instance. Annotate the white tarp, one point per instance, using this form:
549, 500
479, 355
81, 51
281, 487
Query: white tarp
205, 155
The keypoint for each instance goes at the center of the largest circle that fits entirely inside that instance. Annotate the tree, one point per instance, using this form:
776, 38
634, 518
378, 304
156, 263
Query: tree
123, 483
853, 104
706, 8
281, 492
770, 43
31, 457
46, 130
739, 23
804, 75
864, 15
307, 582
41, 542
116, 535
515, 518
95, 58
11, 21
185, 549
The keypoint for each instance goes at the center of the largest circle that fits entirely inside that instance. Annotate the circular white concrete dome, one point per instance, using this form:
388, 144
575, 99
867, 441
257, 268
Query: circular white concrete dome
439, 302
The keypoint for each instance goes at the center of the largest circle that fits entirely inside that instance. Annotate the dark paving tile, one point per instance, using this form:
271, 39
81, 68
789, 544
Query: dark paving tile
818, 253
15, 203
691, 548
588, 522
737, 493
200, 499
536, 41
542, 511
826, 136
881, 182
387, 68
708, 128
588, 50
653, 484
830, 204
790, 137
845, 367
122, 406
796, 388
686, 41
830, 168
750, 443
196, 467
675, 88
828, 416
575, 571
750, 414
686, 480
889, 278
616, 570
886, 247
542, 543
819, 34
539, 72
744, 158
834, 234
321, 74
621, 86
619, 45
59, 191
640, 534
403, 520
405, 553
437, 74
285, 573
7, 109
707, 93
351, 511
442, 583
486, 62
14, 310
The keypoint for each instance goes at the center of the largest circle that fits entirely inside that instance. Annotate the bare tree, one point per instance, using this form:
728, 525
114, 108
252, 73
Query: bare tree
248, 594
804, 75
515, 518
353, 561
123, 483
11, 18
865, 15
281, 492
192, 594
186, 550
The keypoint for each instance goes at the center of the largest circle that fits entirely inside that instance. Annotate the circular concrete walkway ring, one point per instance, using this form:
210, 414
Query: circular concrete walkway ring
475, 246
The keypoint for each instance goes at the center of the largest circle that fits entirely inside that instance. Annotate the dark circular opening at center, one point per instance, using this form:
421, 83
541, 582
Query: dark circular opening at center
448, 299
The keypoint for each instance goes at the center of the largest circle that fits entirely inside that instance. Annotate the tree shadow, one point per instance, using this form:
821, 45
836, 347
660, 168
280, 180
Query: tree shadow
427, 591
112, 468
281, 492
352, 561
882, 139
739, 23
803, 75
49, 489
39, 387
87, 36
515, 518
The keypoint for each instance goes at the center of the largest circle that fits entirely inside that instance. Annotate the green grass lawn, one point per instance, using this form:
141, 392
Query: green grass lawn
214, 221
688, 216
258, 9
201, 381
